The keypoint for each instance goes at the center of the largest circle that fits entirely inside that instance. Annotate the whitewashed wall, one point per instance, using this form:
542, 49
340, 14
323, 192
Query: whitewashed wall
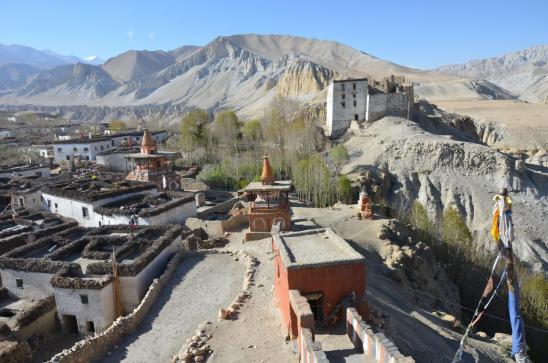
133, 288
36, 285
62, 150
99, 309
73, 208
114, 162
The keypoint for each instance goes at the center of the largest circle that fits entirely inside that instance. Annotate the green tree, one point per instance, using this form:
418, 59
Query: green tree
339, 156
194, 130
252, 131
226, 128
420, 220
344, 189
117, 125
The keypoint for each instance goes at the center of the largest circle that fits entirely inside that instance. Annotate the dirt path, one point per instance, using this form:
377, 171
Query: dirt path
200, 286
256, 335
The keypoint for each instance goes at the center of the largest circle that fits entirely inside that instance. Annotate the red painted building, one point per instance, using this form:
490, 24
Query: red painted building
323, 267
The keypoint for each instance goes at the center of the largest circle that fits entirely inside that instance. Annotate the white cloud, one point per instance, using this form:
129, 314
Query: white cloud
130, 34
151, 35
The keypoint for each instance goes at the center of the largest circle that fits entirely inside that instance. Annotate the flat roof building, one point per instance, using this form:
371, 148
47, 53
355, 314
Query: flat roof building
76, 265
322, 267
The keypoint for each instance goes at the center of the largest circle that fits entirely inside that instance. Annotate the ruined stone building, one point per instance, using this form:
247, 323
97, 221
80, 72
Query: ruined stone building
73, 267
363, 100
151, 166
269, 202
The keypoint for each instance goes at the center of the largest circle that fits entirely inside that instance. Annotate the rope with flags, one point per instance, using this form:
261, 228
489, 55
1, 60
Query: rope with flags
502, 231
487, 297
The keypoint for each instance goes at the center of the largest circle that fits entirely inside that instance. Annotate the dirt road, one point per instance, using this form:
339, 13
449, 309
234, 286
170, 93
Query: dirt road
200, 286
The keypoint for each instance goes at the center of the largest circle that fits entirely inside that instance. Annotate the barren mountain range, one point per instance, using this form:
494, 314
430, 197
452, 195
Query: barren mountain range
242, 72
523, 73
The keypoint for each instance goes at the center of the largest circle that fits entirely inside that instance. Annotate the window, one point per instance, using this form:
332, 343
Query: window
86, 149
68, 157
354, 95
95, 147
354, 86
21, 201
59, 149
355, 103
87, 157
343, 96
343, 104
356, 117
112, 142
49, 203
85, 212
84, 299
102, 148
342, 86
19, 283
75, 148
55, 205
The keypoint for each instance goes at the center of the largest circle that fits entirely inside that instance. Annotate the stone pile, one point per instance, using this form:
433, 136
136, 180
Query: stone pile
196, 348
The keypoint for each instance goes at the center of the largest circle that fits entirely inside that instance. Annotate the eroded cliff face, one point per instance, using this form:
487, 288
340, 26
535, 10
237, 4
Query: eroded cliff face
441, 170
301, 77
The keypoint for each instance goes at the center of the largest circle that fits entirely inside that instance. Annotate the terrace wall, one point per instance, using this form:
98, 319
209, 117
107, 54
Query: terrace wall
375, 346
302, 325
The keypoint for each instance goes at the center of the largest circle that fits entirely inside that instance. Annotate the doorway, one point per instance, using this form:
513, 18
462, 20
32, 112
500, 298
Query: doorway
91, 327
70, 324
315, 300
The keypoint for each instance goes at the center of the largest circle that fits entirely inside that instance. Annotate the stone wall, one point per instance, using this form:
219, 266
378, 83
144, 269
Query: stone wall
222, 208
302, 323
96, 346
375, 346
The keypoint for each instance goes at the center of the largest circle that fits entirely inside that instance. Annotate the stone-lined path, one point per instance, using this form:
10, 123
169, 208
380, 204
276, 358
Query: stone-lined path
200, 286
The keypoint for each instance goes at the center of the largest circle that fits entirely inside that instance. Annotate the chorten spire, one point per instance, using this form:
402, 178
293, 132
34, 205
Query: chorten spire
267, 178
148, 145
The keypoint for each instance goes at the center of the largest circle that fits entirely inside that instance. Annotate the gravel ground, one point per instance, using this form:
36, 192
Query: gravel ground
256, 333
200, 286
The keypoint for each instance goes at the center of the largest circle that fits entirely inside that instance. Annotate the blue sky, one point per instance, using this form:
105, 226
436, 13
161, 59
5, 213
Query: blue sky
415, 33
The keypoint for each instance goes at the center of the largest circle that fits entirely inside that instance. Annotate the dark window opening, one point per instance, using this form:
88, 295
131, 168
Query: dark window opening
85, 213
84, 299
68, 157
354, 86
19, 283
91, 327
356, 117
342, 86
355, 103
7, 313
343, 96
343, 104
